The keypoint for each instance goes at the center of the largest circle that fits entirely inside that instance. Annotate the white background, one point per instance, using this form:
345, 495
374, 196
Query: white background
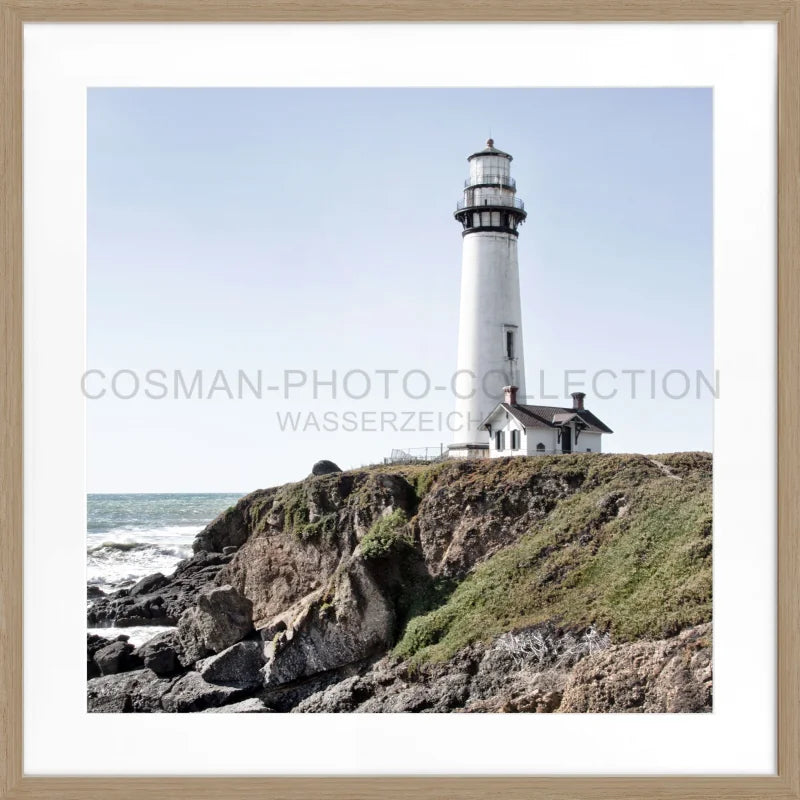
737, 60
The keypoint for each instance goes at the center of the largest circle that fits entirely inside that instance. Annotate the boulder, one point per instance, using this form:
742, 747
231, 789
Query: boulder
162, 653
148, 585
117, 657
284, 699
93, 592
93, 644
239, 665
221, 618
193, 693
324, 468
157, 602
342, 696
92, 670
352, 621
251, 706
139, 691
229, 550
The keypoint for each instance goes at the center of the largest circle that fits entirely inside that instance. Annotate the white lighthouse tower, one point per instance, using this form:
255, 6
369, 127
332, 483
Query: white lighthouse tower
490, 354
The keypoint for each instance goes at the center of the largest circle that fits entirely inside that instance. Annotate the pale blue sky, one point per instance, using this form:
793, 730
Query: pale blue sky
279, 229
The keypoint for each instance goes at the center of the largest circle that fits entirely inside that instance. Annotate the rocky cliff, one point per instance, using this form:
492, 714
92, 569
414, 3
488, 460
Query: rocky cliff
569, 583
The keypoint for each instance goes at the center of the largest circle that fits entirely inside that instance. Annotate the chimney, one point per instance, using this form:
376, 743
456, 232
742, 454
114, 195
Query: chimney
577, 400
510, 395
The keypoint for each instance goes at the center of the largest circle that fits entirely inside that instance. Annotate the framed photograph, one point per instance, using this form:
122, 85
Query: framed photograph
400, 406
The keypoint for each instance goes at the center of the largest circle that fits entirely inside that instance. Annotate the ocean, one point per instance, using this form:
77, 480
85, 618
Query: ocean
129, 536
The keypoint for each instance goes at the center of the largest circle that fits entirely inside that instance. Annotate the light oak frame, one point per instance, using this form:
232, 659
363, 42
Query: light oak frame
14, 14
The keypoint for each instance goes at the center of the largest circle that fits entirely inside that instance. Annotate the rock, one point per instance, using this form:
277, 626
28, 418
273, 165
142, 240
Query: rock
305, 534
93, 644
139, 691
479, 678
343, 696
148, 585
353, 621
165, 604
239, 665
221, 618
492, 513
117, 657
286, 698
93, 591
666, 676
193, 693
670, 675
328, 614
251, 706
387, 688
233, 526
324, 468
537, 701
162, 653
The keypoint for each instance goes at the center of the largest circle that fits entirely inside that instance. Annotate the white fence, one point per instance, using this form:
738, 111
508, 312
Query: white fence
413, 455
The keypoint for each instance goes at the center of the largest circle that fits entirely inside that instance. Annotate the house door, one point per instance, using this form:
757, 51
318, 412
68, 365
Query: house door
566, 440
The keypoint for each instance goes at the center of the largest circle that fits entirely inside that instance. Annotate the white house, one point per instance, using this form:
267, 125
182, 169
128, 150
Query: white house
525, 430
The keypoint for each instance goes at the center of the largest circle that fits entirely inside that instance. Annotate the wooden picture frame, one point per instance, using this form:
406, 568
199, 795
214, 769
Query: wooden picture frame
15, 13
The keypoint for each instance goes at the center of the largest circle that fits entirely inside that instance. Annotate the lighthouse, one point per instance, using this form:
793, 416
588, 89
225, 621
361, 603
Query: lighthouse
490, 353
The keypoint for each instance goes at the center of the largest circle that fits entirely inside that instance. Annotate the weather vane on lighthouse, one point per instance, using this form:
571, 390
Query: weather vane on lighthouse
490, 353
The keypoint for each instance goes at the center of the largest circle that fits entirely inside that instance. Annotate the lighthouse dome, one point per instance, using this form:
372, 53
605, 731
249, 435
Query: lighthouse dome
490, 150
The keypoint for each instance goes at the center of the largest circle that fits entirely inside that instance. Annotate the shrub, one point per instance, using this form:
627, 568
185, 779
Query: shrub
543, 647
386, 535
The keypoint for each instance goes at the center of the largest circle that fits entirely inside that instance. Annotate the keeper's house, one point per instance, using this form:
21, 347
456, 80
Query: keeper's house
523, 430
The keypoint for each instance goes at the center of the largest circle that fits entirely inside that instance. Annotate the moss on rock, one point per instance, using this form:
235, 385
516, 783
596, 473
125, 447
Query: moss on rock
386, 535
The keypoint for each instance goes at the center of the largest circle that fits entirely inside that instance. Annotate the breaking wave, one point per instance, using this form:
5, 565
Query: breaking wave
131, 536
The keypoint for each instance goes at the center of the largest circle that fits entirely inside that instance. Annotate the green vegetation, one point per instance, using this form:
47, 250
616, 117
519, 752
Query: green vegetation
387, 535
423, 478
293, 502
421, 595
630, 553
621, 542
259, 511
295, 507
324, 527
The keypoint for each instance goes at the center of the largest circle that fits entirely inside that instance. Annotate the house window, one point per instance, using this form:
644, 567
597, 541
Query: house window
588, 449
515, 440
500, 440
540, 448
509, 344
